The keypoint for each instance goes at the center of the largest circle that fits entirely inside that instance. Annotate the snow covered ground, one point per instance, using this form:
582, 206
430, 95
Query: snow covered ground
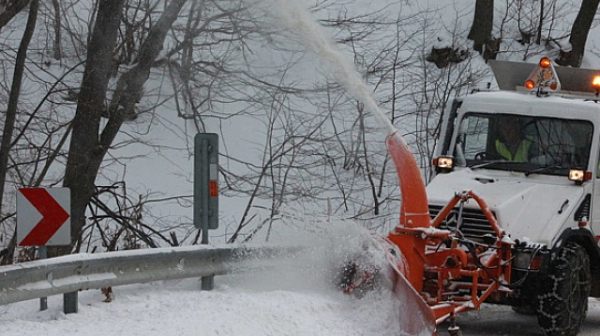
246, 304
502, 321
296, 296
243, 304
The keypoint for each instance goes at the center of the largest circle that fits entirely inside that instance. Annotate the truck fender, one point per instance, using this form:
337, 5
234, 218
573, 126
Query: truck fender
585, 239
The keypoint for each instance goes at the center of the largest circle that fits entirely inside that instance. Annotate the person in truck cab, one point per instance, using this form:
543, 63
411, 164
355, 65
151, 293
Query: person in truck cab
511, 145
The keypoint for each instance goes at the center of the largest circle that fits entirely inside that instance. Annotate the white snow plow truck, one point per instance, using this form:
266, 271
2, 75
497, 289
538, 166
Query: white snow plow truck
512, 215
533, 156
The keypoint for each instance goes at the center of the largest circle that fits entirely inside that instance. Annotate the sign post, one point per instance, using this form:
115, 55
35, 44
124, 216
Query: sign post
43, 254
206, 189
43, 219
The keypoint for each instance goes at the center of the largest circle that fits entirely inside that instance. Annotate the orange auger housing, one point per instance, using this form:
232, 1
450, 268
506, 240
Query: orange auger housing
450, 274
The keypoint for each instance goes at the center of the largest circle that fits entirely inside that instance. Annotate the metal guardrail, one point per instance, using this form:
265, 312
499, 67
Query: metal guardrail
76, 272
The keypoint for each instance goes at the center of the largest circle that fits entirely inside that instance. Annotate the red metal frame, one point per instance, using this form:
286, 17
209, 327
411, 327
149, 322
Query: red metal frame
449, 278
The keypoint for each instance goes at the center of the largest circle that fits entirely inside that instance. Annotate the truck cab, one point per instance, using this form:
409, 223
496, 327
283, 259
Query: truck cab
531, 150
552, 183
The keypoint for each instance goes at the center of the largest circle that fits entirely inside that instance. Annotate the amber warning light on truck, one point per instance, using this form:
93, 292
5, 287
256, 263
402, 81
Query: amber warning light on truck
543, 77
596, 85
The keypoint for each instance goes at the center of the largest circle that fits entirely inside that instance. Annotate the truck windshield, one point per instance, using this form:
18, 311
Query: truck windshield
536, 145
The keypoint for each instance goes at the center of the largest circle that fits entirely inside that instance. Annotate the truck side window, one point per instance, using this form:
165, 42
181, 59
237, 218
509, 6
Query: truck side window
475, 131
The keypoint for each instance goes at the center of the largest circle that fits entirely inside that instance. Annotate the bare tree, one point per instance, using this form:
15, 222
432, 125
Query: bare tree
483, 21
11, 111
579, 34
538, 39
57, 53
11, 8
87, 152
85, 148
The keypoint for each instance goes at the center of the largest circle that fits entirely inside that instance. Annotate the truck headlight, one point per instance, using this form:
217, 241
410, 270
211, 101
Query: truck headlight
579, 175
443, 163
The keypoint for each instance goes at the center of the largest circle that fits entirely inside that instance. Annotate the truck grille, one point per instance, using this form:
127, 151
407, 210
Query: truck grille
474, 225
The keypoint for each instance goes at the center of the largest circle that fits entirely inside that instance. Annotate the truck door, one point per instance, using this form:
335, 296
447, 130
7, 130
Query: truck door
448, 125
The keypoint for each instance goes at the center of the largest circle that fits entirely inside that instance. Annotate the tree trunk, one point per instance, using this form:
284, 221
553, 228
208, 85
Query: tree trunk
13, 8
57, 51
84, 146
88, 144
580, 31
481, 30
538, 39
13, 99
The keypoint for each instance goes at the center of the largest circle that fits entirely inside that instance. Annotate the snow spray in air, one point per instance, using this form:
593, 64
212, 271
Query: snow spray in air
297, 19
416, 317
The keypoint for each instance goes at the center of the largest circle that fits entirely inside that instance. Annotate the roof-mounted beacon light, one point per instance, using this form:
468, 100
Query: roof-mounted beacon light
545, 62
529, 84
543, 78
596, 85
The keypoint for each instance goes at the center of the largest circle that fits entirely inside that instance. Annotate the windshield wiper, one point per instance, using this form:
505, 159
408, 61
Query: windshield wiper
488, 163
543, 169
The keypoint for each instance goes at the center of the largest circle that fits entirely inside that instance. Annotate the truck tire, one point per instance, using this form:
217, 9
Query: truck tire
563, 293
526, 308
527, 301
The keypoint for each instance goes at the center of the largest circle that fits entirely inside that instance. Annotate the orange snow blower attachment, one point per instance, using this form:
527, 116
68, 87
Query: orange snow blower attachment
450, 273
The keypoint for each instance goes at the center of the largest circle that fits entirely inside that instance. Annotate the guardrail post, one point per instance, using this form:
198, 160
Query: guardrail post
70, 304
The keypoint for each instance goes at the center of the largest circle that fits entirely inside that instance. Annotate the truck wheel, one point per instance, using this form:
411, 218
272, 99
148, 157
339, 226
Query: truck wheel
563, 293
527, 302
526, 308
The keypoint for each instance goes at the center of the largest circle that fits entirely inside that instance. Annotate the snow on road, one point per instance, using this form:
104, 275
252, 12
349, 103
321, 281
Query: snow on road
245, 305
494, 320
239, 305
297, 297
299, 302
